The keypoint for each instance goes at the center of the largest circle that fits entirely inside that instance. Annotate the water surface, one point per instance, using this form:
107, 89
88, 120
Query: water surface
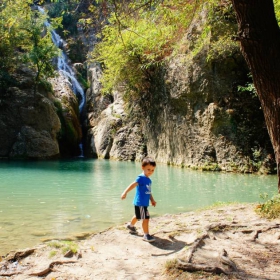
63, 199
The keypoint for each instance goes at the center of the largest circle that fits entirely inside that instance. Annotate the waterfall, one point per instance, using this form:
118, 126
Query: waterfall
67, 71
64, 67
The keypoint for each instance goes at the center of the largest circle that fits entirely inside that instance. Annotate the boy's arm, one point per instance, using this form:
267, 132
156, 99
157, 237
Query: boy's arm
152, 200
128, 189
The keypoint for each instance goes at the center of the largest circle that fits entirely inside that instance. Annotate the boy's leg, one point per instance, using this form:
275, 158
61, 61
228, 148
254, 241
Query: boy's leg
133, 221
145, 226
147, 237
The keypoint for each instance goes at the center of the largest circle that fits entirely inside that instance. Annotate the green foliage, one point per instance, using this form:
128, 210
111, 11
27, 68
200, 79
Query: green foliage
277, 10
249, 87
83, 81
138, 38
13, 16
41, 49
221, 26
210, 166
46, 85
66, 10
64, 246
76, 50
52, 254
24, 39
270, 208
142, 36
257, 158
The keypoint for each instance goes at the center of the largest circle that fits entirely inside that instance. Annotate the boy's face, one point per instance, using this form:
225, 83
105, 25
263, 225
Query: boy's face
148, 170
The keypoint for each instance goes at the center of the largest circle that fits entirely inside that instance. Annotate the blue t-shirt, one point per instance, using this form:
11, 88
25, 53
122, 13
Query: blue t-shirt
143, 191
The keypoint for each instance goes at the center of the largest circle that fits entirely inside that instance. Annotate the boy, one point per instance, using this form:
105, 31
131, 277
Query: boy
142, 196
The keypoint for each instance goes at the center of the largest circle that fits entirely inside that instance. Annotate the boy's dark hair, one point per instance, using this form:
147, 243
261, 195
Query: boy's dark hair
148, 161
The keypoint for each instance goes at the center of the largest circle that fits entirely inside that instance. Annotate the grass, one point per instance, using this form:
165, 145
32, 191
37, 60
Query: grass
217, 204
52, 254
64, 246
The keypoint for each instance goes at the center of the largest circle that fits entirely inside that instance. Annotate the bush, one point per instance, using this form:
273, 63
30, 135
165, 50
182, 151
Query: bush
270, 208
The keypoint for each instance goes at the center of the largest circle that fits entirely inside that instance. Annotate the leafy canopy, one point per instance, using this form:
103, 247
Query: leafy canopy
138, 37
24, 39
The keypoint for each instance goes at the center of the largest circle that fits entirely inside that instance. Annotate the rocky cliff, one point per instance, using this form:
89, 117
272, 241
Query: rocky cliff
41, 124
112, 133
192, 115
28, 121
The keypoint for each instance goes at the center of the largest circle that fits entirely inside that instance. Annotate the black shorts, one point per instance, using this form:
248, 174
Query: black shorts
141, 212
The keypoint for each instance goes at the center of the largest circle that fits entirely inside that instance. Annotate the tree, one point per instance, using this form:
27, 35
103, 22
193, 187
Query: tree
24, 38
41, 50
259, 36
12, 38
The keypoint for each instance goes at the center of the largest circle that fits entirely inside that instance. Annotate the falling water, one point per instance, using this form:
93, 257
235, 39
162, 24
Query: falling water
67, 71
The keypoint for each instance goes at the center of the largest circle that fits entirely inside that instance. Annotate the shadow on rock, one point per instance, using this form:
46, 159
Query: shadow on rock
173, 245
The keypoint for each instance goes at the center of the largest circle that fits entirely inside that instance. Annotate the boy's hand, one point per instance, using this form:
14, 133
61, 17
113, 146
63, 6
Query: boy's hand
123, 196
154, 203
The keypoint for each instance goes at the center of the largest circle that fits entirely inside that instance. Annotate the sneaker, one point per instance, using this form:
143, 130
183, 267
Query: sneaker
131, 229
148, 238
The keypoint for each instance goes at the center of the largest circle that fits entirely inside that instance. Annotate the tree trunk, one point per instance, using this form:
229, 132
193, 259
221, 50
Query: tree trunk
259, 36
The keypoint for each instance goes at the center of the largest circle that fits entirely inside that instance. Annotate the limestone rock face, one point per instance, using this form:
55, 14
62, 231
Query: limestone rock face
112, 134
33, 144
202, 121
28, 123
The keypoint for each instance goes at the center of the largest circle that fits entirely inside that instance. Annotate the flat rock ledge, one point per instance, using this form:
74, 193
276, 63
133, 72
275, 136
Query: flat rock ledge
227, 242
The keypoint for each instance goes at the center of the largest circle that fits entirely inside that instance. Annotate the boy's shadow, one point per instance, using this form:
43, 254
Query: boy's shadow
172, 245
